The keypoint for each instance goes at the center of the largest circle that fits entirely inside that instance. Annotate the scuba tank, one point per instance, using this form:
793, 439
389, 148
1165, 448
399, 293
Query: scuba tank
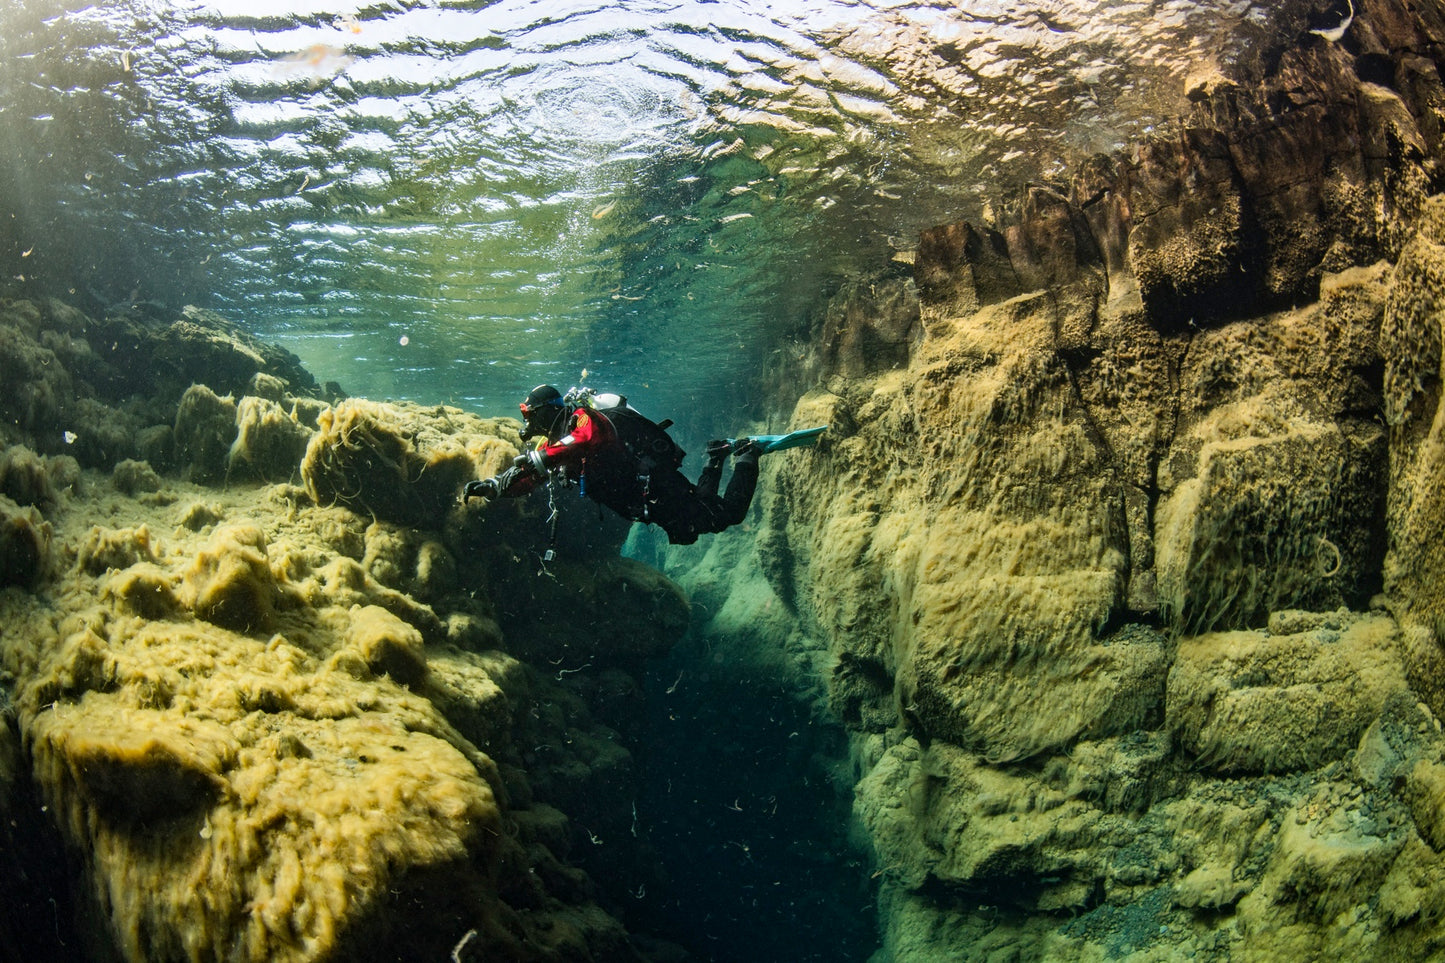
646, 440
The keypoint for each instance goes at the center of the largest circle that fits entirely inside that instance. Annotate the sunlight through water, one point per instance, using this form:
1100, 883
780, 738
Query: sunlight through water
453, 201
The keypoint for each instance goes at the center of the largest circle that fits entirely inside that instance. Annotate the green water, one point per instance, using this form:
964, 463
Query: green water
454, 201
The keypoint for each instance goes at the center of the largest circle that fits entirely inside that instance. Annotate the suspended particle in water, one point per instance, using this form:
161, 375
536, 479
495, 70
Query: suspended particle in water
70, 437
584, 374
404, 341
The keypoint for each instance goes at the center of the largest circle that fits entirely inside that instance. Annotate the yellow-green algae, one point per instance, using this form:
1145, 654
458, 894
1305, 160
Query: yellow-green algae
247, 718
1101, 623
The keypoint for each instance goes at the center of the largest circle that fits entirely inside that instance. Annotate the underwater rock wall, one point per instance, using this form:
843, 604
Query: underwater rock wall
281, 695
1125, 637
1127, 581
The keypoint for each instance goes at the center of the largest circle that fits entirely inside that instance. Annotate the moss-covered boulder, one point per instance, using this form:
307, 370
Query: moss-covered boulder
402, 463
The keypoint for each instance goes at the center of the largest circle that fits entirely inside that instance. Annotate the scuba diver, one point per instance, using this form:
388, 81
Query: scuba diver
627, 462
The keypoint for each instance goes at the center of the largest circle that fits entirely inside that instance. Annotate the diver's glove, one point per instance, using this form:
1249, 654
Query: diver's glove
534, 461
507, 478
498, 486
486, 488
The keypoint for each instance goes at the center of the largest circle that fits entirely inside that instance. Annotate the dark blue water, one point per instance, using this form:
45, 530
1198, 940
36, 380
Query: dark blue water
747, 793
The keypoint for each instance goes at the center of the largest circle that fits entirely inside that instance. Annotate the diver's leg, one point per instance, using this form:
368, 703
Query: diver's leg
739, 497
707, 482
717, 453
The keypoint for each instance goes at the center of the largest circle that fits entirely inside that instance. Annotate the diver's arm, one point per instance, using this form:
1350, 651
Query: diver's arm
586, 434
529, 469
513, 483
589, 431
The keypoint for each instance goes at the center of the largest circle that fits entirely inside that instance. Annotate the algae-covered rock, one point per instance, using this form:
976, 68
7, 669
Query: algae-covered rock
477, 691
1260, 702
256, 720
401, 558
39, 480
24, 544
394, 462
1425, 792
226, 787
73, 381
1261, 525
975, 563
1410, 341
146, 590
387, 645
207, 831
1271, 482
230, 583
269, 441
1187, 245
23, 477
135, 768
205, 430
1117, 528
201, 345
103, 549
1211, 887
435, 570
131, 477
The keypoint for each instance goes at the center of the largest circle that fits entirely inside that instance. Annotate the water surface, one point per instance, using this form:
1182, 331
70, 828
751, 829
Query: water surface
452, 201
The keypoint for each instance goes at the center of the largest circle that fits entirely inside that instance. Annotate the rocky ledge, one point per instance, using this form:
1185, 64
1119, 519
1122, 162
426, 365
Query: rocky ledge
262, 682
1121, 559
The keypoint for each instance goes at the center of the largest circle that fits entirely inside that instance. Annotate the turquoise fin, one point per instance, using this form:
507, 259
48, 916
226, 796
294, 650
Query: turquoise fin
793, 439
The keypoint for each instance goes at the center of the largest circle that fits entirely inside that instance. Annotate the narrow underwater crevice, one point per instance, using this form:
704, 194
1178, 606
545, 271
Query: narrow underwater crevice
38, 913
744, 798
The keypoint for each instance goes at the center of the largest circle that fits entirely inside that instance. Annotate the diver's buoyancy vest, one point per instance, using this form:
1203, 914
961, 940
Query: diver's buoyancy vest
647, 441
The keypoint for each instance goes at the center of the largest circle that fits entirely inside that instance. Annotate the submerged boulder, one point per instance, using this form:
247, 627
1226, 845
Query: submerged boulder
270, 441
398, 462
272, 833
387, 645
230, 582
38, 480
205, 431
24, 545
132, 477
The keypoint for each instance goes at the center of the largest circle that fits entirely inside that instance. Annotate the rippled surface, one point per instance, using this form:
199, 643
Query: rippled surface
454, 201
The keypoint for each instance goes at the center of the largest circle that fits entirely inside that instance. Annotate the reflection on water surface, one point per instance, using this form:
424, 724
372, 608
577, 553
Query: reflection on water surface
454, 201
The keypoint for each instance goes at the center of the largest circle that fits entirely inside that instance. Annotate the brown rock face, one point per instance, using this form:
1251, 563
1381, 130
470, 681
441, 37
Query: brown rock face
1315, 158
1131, 576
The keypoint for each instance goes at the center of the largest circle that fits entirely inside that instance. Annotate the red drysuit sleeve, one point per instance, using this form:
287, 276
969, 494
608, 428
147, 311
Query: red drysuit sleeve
589, 432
